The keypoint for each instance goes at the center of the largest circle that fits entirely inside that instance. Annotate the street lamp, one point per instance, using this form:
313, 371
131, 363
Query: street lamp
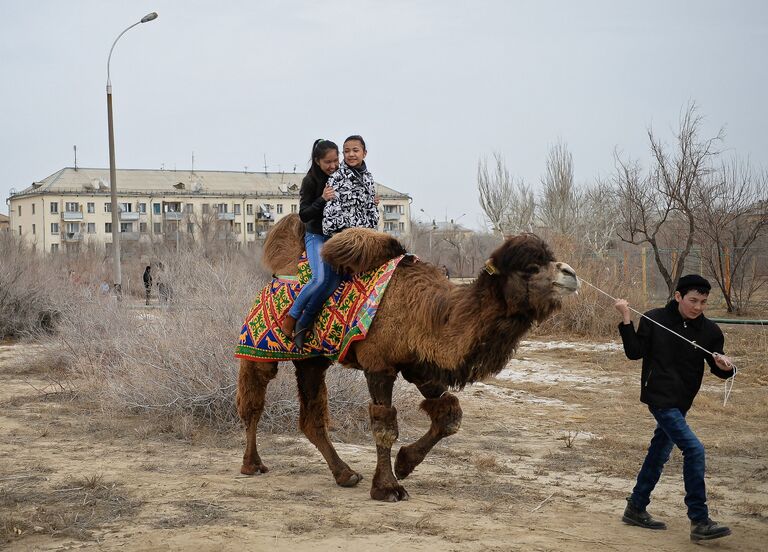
112, 172
432, 229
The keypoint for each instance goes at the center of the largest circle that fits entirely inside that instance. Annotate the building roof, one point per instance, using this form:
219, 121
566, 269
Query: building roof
156, 182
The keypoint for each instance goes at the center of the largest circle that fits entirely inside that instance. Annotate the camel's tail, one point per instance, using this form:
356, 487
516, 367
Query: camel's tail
284, 245
356, 250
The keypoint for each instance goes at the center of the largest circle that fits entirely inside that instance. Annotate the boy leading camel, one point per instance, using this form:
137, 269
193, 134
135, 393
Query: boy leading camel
672, 372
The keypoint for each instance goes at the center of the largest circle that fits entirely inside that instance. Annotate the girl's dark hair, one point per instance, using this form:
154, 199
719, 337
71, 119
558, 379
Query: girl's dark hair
320, 148
358, 138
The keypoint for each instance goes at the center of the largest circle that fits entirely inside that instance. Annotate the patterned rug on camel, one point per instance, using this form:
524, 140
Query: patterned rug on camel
346, 316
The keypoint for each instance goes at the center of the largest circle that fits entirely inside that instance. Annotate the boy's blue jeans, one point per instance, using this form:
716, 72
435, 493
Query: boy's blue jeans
671, 430
320, 287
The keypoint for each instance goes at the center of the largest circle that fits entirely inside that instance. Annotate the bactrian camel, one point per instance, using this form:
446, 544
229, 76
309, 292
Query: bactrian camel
437, 335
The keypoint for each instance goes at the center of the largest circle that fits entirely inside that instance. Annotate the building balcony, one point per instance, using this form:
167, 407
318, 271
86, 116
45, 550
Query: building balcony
71, 215
266, 217
392, 215
126, 216
171, 215
226, 216
130, 236
71, 237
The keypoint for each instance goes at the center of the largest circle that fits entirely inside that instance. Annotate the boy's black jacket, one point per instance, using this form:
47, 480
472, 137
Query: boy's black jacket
672, 368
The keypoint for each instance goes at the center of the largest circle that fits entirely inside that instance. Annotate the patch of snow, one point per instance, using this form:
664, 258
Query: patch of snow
526, 370
582, 346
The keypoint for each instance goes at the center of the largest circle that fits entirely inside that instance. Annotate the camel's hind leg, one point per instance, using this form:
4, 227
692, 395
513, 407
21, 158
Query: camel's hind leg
384, 426
444, 411
313, 417
251, 389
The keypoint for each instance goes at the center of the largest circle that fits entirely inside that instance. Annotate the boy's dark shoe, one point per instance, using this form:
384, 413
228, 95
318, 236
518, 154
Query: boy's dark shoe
708, 530
641, 518
302, 335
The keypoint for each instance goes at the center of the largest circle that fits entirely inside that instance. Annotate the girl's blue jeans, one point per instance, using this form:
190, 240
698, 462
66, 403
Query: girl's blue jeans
671, 430
320, 287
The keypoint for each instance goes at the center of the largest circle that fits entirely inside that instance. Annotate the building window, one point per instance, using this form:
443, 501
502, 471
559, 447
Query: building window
249, 228
19, 230
294, 208
54, 208
143, 227
33, 229
54, 247
223, 207
238, 228
249, 209
72, 227
33, 208
126, 227
279, 208
189, 208
107, 207
157, 208
54, 228
402, 227
156, 228
72, 207
143, 208
108, 227
205, 208
91, 227
91, 207
237, 208
126, 207
190, 228
19, 210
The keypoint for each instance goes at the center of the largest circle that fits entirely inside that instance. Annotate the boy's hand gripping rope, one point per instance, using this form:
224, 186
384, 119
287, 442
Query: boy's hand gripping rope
728, 381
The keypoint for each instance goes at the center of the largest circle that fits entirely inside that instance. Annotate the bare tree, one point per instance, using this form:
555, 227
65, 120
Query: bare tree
665, 198
598, 217
559, 203
509, 206
732, 214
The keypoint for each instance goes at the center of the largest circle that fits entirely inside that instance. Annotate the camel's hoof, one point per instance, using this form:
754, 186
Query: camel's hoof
393, 493
350, 480
403, 465
253, 469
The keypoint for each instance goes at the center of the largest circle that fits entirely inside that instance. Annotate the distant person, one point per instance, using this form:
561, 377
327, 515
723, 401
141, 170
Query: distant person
671, 377
445, 271
147, 284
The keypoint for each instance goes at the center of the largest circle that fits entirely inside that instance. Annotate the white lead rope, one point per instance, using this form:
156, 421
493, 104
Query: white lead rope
728, 381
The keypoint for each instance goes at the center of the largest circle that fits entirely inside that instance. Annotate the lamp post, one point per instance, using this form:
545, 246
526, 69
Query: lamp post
112, 172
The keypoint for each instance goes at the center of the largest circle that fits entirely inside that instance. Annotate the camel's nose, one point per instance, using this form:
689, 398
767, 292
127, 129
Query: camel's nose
565, 268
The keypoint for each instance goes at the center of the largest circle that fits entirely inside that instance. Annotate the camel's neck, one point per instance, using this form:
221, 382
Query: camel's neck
479, 335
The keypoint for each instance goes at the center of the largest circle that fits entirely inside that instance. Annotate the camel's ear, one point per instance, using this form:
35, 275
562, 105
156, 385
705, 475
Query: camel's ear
356, 250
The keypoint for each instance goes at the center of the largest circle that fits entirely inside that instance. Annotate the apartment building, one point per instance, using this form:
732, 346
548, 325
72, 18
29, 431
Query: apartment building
5, 223
72, 207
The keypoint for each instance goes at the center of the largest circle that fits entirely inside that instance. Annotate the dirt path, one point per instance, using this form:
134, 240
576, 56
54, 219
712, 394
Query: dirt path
545, 457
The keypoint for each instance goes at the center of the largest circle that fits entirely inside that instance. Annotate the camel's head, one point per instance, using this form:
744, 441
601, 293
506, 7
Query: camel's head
529, 278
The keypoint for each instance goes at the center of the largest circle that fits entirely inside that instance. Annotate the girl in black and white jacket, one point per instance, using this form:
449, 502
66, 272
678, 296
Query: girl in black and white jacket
354, 202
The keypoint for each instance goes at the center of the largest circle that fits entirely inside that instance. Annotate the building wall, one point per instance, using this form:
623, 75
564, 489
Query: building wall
52, 222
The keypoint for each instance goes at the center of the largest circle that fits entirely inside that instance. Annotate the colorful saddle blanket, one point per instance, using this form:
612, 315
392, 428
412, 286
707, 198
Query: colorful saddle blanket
345, 318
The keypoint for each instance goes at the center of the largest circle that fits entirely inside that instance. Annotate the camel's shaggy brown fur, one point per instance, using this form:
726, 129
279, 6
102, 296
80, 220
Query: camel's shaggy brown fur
434, 333
359, 249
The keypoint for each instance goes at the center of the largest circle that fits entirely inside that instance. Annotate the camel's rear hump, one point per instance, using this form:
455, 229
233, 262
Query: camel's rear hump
356, 250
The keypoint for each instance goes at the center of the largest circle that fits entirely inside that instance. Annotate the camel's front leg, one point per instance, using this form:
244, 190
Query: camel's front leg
444, 411
251, 389
313, 417
384, 426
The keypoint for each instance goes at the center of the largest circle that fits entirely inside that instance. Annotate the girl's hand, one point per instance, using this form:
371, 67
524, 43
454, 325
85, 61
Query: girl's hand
328, 193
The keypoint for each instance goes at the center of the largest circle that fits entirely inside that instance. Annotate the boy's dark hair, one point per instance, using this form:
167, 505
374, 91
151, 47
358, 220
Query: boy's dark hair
693, 282
358, 138
148, 268
320, 148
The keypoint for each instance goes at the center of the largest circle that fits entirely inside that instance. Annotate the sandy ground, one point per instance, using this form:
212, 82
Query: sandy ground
546, 454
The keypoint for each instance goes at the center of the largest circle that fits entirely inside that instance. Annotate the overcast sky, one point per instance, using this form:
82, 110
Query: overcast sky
432, 85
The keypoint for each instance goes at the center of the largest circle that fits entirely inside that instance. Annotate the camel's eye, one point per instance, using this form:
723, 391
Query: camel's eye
531, 269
